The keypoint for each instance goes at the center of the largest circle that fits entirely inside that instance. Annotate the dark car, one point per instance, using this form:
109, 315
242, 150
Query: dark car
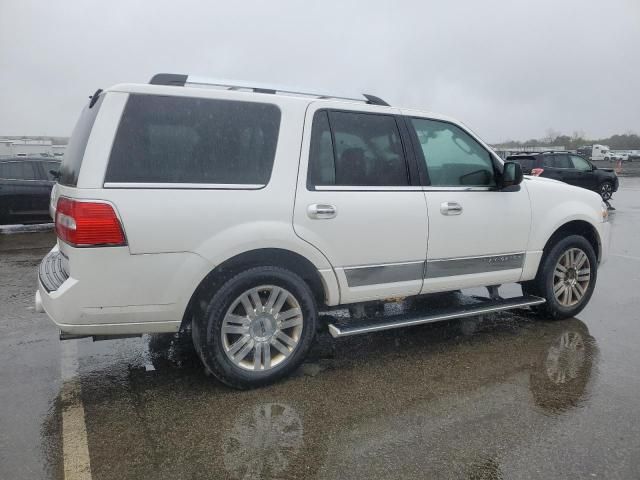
569, 168
25, 188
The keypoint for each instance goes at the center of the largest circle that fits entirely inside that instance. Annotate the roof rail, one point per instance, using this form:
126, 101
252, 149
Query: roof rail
179, 80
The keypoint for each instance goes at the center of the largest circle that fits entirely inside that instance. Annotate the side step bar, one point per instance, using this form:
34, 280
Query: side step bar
436, 315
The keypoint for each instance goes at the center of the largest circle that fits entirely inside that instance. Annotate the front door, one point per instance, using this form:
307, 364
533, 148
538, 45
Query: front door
477, 234
582, 173
359, 201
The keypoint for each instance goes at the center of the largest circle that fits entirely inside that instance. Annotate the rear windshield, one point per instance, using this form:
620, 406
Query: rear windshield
165, 139
527, 163
70, 168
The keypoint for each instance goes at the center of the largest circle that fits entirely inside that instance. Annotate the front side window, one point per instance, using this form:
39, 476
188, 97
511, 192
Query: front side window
164, 139
453, 158
356, 149
580, 163
48, 167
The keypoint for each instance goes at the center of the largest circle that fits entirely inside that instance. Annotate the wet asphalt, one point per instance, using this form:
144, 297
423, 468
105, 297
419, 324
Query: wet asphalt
498, 397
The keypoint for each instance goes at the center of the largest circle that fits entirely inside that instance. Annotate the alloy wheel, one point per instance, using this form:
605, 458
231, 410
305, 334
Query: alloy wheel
571, 277
262, 328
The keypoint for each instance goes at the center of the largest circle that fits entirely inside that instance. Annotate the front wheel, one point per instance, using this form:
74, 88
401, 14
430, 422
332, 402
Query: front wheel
606, 191
566, 278
257, 327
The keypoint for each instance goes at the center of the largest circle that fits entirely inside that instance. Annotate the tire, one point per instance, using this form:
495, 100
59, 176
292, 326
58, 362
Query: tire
241, 339
606, 190
564, 303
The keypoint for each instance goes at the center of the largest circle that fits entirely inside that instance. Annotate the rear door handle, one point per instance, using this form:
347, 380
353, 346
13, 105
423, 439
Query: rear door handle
320, 211
450, 208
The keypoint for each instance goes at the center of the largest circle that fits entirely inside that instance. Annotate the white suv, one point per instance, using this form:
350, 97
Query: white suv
243, 211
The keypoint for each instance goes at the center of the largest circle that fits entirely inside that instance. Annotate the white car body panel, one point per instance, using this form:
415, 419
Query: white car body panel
375, 248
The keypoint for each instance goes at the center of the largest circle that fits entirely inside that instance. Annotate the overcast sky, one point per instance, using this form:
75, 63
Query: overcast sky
509, 69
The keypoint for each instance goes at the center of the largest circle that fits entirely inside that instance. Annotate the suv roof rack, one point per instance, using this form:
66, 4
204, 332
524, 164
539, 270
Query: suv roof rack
178, 80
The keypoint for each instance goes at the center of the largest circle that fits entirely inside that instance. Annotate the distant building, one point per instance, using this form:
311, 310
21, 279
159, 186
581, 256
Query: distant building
6, 148
30, 148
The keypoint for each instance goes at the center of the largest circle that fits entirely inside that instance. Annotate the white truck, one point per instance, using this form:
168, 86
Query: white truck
600, 152
242, 211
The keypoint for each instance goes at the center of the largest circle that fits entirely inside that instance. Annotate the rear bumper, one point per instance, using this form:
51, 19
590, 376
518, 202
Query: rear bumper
111, 292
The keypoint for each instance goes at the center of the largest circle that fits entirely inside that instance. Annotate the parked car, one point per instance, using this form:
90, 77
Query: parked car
619, 156
569, 168
242, 211
25, 188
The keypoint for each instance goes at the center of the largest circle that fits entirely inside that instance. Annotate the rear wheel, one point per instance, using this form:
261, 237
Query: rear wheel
257, 327
566, 278
606, 190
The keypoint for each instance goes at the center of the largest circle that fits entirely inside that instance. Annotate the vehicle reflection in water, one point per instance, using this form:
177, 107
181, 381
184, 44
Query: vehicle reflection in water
450, 399
262, 442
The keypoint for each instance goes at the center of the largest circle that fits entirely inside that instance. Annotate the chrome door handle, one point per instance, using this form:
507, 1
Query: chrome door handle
450, 208
321, 211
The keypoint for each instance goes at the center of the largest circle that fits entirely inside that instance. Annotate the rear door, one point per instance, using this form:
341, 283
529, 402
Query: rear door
359, 202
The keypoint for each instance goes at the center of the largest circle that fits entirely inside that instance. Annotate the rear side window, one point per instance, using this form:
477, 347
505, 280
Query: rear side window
356, 149
193, 140
70, 168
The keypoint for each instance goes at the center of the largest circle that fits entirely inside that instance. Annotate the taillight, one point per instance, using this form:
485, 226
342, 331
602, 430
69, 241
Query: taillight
88, 224
536, 172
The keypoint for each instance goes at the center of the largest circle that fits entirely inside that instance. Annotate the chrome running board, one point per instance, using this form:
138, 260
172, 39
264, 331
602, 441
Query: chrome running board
437, 315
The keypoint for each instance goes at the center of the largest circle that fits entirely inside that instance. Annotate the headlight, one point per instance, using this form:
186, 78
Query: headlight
605, 211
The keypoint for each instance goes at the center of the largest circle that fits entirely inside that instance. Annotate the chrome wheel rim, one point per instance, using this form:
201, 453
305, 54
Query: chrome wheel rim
605, 191
566, 357
262, 328
571, 277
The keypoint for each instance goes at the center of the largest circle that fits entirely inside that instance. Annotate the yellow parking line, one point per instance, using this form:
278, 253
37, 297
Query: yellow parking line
75, 448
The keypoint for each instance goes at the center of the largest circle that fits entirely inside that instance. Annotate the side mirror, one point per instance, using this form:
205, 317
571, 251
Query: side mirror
511, 175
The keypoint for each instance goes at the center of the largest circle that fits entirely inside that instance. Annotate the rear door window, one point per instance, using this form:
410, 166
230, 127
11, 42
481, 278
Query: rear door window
356, 149
164, 139
19, 170
527, 163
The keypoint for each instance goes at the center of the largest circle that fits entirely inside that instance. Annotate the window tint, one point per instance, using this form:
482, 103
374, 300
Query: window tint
17, 171
580, 163
194, 140
48, 166
364, 150
527, 163
322, 167
557, 161
70, 168
452, 156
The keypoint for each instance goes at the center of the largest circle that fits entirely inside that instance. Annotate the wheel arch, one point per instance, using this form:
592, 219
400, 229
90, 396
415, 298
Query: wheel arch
576, 227
253, 258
